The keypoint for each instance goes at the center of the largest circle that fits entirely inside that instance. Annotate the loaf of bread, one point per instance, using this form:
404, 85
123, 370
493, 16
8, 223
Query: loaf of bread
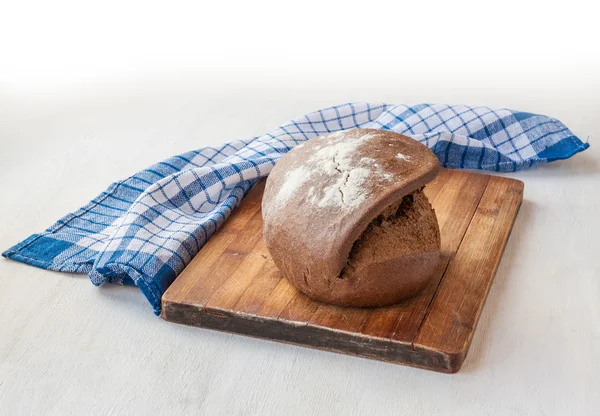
346, 221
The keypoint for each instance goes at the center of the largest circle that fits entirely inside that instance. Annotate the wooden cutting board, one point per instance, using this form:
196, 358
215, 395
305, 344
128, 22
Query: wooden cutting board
233, 285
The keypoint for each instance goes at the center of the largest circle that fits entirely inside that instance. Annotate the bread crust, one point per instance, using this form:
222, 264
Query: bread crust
345, 220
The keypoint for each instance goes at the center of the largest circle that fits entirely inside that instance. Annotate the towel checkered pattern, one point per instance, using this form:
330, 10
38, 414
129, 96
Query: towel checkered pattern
145, 229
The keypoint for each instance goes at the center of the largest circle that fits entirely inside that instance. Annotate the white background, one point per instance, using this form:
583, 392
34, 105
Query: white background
93, 92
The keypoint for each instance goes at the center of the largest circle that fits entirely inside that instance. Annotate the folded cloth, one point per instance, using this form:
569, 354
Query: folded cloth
145, 229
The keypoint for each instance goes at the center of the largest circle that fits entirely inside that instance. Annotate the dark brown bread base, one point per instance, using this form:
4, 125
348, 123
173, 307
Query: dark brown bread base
401, 246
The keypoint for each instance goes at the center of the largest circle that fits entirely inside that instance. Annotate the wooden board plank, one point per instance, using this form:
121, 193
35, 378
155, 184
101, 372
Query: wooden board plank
253, 299
453, 315
233, 284
218, 243
229, 258
279, 299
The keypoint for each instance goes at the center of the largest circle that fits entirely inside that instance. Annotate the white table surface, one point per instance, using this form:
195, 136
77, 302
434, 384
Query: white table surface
67, 347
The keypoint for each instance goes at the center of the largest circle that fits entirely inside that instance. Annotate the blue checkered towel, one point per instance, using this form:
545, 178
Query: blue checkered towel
145, 229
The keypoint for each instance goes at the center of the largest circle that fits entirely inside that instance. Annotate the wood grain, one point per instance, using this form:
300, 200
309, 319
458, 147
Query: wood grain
453, 314
233, 284
226, 247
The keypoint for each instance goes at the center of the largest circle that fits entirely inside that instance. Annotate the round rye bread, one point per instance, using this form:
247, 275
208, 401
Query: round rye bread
346, 221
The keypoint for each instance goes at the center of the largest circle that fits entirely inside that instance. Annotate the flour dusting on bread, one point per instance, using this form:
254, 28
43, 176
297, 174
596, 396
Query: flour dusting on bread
337, 162
294, 179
